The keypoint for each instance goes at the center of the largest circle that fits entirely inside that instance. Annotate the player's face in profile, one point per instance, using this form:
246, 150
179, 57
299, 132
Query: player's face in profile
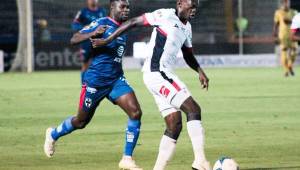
188, 9
122, 10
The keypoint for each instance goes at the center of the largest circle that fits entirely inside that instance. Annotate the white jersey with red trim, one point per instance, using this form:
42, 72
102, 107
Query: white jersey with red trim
296, 23
168, 37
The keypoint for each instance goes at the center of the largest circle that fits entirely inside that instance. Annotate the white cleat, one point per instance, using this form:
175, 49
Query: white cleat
49, 146
127, 163
205, 165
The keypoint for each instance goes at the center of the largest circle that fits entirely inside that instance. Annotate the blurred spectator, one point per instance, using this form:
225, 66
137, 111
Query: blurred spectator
83, 18
43, 33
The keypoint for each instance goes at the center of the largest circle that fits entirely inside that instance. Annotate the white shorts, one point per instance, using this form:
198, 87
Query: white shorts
168, 91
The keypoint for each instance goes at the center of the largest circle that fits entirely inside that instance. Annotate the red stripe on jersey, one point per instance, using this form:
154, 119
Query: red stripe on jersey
114, 21
161, 31
146, 23
176, 86
295, 30
82, 96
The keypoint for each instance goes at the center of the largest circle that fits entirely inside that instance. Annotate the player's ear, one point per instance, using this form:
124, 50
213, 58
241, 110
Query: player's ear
112, 5
179, 2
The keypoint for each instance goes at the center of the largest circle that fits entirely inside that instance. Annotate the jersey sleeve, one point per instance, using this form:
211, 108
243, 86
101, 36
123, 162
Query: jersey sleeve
77, 22
91, 27
154, 18
188, 42
296, 23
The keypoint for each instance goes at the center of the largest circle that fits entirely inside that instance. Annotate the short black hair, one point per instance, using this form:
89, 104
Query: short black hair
111, 1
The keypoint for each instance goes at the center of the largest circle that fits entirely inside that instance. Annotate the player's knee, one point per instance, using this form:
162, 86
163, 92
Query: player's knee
191, 106
174, 130
80, 124
135, 113
196, 108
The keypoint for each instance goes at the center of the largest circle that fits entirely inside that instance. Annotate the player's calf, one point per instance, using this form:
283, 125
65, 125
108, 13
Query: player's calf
135, 113
174, 126
80, 123
66, 127
196, 133
192, 109
168, 141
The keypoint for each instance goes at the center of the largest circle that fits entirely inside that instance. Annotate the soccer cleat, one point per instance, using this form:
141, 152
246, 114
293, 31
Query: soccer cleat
49, 146
286, 74
292, 72
205, 165
127, 163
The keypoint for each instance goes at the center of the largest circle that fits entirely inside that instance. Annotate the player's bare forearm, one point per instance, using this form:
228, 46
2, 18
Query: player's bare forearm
134, 22
190, 59
80, 37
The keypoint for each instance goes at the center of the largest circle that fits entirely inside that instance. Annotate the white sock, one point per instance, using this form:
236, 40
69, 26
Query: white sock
166, 151
196, 133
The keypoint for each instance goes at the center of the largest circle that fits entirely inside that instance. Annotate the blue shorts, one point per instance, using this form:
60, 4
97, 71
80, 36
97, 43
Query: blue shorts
91, 97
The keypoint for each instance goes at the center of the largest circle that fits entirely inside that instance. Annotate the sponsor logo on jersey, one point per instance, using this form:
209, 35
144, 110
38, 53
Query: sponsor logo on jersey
118, 60
120, 51
120, 38
91, 90
164, 91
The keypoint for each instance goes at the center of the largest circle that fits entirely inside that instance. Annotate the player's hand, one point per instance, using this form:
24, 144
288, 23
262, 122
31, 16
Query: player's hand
98, 42
203, 80
99, 31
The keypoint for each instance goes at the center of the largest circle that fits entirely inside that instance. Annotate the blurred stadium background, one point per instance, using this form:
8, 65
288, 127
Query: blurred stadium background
215, 31
250, 113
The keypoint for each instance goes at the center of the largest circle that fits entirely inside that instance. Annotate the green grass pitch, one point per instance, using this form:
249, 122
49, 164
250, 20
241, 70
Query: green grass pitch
252, 115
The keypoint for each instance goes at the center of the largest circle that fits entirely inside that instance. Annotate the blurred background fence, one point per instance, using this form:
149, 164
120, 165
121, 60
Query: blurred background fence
215, 28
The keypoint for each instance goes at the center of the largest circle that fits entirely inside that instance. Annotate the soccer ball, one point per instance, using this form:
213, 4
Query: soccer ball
226, 163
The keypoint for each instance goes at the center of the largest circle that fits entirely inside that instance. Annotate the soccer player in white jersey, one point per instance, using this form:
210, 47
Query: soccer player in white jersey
172, 33
295, 27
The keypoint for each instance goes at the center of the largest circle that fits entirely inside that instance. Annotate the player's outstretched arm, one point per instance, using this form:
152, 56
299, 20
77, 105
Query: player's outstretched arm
190, 59
134, 22
79, 36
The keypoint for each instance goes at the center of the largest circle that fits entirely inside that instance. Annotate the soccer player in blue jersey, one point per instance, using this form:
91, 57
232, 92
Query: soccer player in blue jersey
83, 18
104, 79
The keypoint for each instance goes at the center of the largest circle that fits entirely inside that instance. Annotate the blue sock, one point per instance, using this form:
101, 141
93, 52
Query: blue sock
132, 135
82, 76
64, 128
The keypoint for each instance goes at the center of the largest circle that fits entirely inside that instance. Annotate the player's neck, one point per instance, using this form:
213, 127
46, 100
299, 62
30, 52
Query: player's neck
285, 9
115, 19
184, 21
